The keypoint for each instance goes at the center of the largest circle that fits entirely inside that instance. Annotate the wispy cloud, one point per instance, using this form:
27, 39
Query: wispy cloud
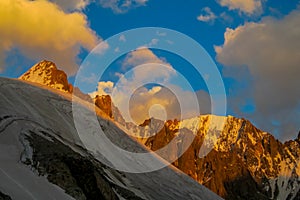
71, 5
122, 38
122, 6
207, 15
142, 56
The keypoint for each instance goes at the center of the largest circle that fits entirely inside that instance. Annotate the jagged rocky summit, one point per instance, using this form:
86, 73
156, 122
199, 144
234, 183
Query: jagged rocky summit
46, 73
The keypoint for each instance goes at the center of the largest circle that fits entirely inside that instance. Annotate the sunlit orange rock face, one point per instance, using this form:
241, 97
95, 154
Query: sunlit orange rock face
245, 163
46, 73
105, 104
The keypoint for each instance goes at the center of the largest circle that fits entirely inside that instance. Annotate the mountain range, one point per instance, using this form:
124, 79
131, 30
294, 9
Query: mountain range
43, 157
243, 162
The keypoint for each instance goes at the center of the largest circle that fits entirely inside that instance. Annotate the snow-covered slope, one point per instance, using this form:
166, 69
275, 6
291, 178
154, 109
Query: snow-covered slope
42, 156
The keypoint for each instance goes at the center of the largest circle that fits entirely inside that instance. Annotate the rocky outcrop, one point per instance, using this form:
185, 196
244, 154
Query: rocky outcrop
105, 103
46, 73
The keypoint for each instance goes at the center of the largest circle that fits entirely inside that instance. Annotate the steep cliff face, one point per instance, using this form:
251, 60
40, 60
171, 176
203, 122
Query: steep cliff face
105, 103
244, 163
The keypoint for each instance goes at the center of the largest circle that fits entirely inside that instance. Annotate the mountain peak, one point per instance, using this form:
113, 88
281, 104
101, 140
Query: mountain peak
46, 73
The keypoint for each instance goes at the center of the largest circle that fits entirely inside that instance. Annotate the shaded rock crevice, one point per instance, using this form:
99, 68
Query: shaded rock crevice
4, 196
81, 177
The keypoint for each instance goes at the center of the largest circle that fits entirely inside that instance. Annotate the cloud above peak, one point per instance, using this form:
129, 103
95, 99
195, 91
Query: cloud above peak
270, 51
42, 30
151, 81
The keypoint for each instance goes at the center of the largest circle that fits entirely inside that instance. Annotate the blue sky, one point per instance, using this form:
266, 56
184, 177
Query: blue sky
252, 29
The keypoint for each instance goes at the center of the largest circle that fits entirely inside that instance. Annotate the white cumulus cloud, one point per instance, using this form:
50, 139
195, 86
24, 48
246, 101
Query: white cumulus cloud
270, 51
41, 30
104, 88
